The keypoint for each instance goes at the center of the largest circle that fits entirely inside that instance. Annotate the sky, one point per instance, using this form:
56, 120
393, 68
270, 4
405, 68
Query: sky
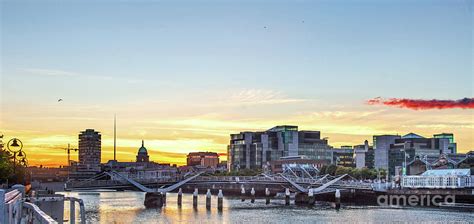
184, 75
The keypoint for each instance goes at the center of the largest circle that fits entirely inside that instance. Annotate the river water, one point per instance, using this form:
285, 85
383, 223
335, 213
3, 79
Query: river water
127, 207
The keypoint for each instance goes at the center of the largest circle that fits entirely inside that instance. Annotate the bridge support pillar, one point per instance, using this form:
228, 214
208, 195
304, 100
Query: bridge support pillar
180, 197
195, 197
338, 199
154, 200
208, 199
287, 196
252, 192
164, 198
267, 196
301, 198
220, 198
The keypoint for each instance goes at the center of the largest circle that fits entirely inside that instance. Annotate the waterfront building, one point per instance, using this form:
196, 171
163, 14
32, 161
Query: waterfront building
142, 171
452, 146
444, 161
412, 145
343, 156
89, 151
364, 155
142, 155
204, 159
255, 150
381, 144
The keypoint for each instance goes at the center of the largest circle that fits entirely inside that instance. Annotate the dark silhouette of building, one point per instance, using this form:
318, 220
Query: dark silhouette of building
142, 155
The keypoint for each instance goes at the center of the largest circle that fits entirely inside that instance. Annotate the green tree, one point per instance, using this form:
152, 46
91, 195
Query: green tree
322, 170
331, 170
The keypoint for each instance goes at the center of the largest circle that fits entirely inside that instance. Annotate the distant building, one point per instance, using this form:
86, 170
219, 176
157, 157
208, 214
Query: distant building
89, 151
204, 159
452, 146
444, 161
381, 144
364, 155
142, 155
255, 150
343, 156
412, 145
142, 171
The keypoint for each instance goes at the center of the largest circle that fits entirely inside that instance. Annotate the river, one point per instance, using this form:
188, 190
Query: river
127, 207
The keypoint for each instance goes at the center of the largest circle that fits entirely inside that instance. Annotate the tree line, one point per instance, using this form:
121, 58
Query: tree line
358, 173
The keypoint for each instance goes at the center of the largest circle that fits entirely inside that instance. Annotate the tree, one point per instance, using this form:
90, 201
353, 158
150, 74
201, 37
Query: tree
7, 171
323, 170
331, 170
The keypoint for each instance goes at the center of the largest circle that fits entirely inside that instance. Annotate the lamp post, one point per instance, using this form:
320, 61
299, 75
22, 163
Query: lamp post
15, 146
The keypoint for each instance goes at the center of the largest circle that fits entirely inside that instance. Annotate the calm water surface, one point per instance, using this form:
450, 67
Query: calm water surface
127, 207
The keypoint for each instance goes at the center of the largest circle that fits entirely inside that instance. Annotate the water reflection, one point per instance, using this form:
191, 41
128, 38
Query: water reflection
127, 207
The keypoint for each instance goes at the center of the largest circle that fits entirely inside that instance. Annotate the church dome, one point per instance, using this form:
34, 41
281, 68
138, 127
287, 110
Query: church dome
142, 150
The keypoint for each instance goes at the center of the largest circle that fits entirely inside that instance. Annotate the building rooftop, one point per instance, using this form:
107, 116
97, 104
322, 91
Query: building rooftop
142, 150
412, 135
448, 172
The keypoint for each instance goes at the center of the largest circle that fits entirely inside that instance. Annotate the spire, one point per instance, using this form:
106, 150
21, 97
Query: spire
115, 137
143, 143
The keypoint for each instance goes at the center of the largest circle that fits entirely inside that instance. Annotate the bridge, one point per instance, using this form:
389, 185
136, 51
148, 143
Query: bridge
157, 188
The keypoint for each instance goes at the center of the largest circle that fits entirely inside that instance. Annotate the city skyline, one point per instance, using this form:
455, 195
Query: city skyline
186, 77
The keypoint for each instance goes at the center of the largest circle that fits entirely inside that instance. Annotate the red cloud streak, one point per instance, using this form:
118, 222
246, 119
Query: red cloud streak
415, 104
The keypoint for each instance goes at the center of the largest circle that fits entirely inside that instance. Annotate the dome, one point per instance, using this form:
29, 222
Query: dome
142, 150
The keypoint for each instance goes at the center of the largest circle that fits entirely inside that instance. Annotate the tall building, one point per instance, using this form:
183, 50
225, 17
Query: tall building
343, 156
255, 150
452, 146
204, 159
142, 155
89, 150
381, 144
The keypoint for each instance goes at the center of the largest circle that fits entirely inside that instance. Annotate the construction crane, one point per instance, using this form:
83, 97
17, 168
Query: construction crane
68, 149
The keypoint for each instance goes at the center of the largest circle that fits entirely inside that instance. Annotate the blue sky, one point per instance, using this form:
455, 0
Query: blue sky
181, 55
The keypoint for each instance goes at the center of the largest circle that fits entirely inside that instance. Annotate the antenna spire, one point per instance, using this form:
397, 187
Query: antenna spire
115, 137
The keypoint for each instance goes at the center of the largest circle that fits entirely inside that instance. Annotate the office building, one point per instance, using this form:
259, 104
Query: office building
411, 146
203, 159
381, 144
255, 150
343, 156
89, 150
452, 146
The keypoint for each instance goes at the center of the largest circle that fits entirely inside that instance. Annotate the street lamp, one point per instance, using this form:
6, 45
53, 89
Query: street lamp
15, 146
405, 163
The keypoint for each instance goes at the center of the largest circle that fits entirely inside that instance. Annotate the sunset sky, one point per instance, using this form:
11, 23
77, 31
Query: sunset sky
183, 75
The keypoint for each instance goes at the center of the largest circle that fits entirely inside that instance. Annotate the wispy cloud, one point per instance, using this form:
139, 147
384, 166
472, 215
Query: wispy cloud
418, 104
62, 73
49, 72
261, 96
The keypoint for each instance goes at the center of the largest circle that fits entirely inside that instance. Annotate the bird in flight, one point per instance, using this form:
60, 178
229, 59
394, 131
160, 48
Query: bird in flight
60, 100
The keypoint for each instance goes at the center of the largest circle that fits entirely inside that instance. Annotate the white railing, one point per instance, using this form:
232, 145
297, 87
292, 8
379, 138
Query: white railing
438, 182
33, 214
14, 210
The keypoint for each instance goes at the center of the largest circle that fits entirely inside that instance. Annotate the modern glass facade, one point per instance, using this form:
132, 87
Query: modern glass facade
251, 150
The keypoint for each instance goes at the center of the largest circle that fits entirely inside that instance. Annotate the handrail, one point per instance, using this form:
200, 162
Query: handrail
37, 214
82, 209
